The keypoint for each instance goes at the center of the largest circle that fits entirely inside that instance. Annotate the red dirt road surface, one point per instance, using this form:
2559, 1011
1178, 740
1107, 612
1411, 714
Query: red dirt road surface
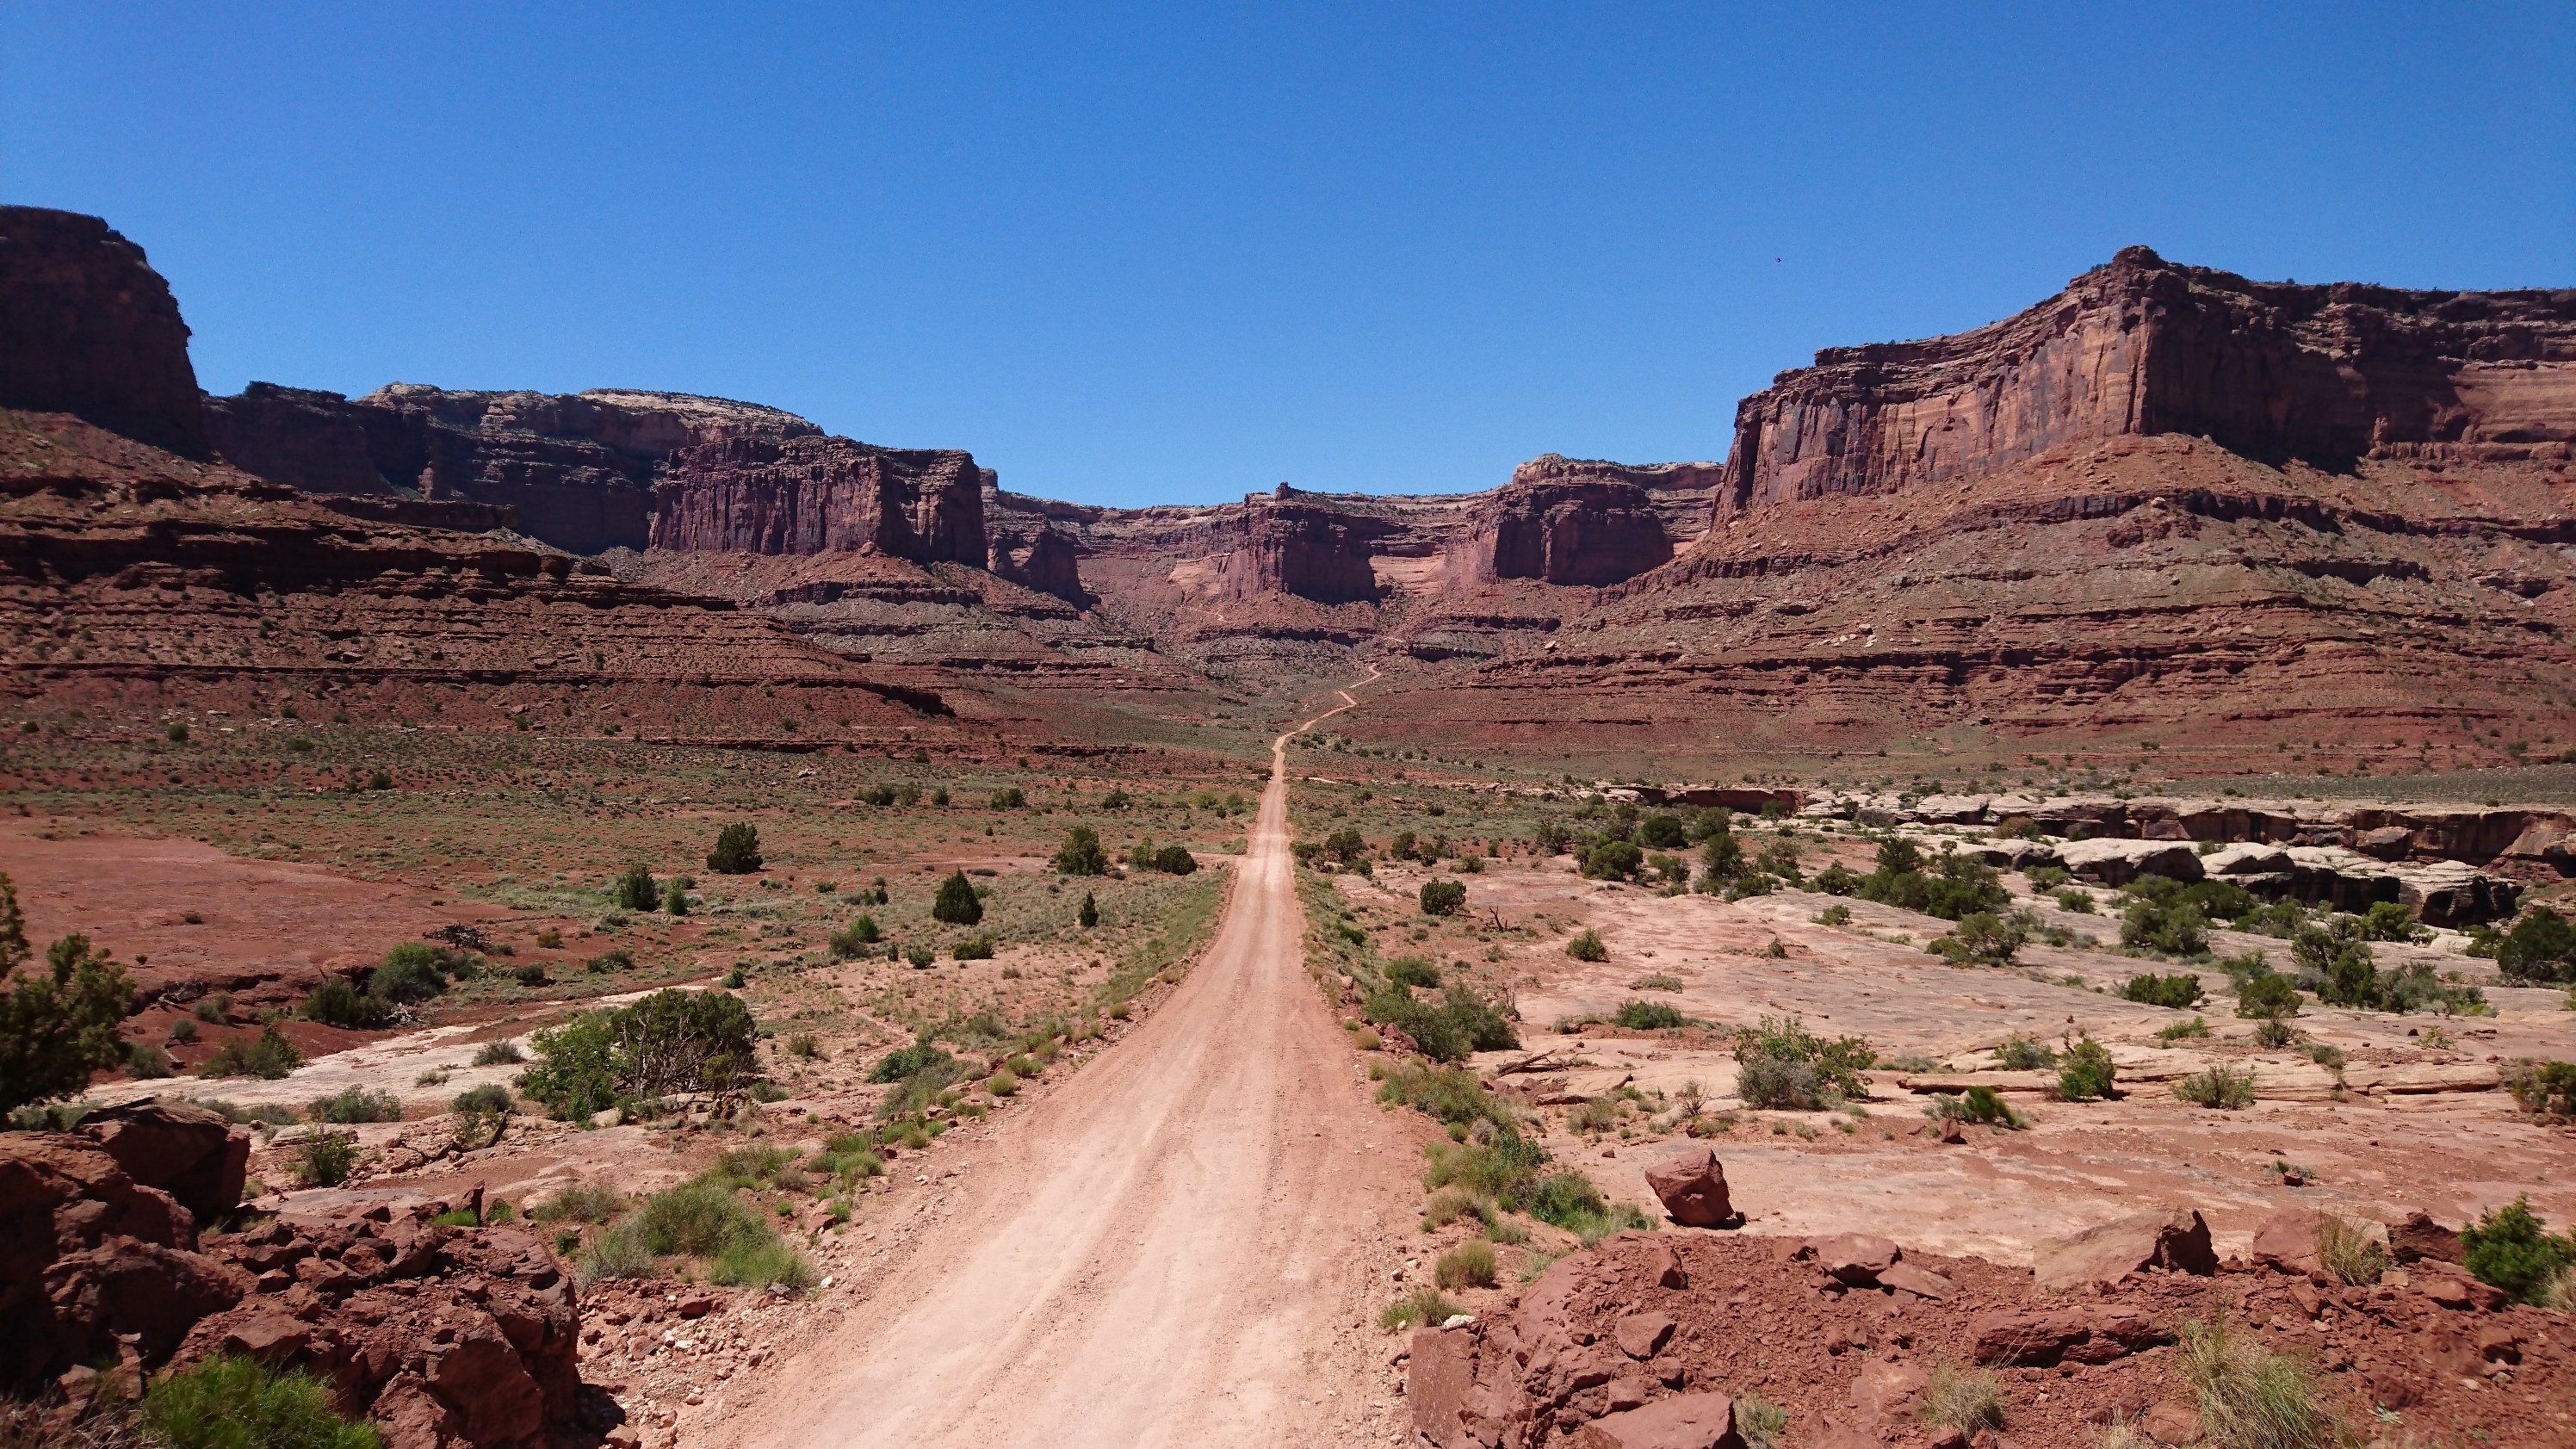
1173, 1252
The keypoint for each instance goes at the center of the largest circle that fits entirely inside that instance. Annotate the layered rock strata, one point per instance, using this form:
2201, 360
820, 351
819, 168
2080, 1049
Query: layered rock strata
88, 328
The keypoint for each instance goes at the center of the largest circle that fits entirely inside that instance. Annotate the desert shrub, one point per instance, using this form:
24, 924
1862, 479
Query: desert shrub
269, 1056
580, 1202
2269, 996
355, 1104
1421, 1308
1010, 797
2025, 1053
1081, 853
2179, 990
2088, 1071
1594, 1114
1760, 1423
2047, 877
1656, 981
1962, 1398
1782, 1064
919, 955
1986, 937
1345, 845
698, 1219
1662, 832
1443, 897
2414, 987
737, 850
2350, 1253
1414, 971
1587, 946
1461, 1024
918, 1073
412, 972
491, 1097
324, 1157
675, 896
2390, 921
1648, 1016
762, 1262
2198, 1026
499, 1054
2539, 950
1612, 860
636, 890
1087, 915
1452, 1096
1836, 915
2335, 963
805, 1045
2250, 1397
1468, 1265
671, 1041
957, 904
617, 1253
145, 1062
2076, 899
1004, 1083
853, 940
1980, 1105
1957, 886
2274, 1032
2219, 1086
58, 1025
1174, 860
973, 948
2543, 1087
338, 1002
2175, 928
238, 1403
1721, 862
2511, 1248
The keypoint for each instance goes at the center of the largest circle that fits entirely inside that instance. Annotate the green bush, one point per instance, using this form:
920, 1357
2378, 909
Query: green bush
1463, 1023
499, 1054
2087, 1072
2337, 963
1959, 885
59, 1025
697, 1219
2175, 929
1648, 1016
1414, 971
1980, 1105
270, 1056
2222, 1087
1587, 946
1010, 797
1087, 915
145, 1062
356, 1104
853, 940
580, 1202
1452, 1096
956, 904
1173, 860
2511, 1248
2180, 990
1662, 832
903, 1062
489, 1098
237, 1403
1986, 938
1443, 897
1782, 1064
2025, 1053
1613, 860
2543, 1087
1081, 853
324, 1157
973, 948
617, 1253
2268, 996
762, 1262
675, 896
338, 1002
737, 850
2539, 950
2389, 921
412, 972
614, 959
2076, 899
671, 1041
636, 890
1424, 1307
1721, 864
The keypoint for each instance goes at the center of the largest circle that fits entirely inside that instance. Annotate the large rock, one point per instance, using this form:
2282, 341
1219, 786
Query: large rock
807, 495
1565, 530
187, 1151
2118, 862
2175, 1239
1685, 1421
88, 328
1856, 1258
87, 1253
2091, 1334
2142, 346
1692, 1188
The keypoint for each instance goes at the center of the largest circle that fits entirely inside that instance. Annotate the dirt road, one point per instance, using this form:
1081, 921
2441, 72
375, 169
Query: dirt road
1178, 1249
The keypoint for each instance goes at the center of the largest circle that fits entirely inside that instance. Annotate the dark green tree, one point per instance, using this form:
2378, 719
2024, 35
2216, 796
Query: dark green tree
59, 1025
1443, 897
737, 850
956, 904
636, 890
1081, 853
1089, 915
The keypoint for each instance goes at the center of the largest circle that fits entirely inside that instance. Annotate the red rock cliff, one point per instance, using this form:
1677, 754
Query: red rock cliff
2329, 374
88, 328
803, 495
1565, 530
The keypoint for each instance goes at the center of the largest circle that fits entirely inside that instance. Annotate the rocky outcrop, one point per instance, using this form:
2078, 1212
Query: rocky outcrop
88, 328
2272, 371
803, 495
187, 1151
1566, 531
1290, 545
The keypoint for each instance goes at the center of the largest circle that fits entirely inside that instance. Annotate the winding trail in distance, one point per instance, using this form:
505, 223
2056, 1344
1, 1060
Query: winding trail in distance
1170, 1250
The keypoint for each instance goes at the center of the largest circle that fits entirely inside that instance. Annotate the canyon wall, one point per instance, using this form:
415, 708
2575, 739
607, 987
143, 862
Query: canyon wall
88, 328
2273, 371
814, 494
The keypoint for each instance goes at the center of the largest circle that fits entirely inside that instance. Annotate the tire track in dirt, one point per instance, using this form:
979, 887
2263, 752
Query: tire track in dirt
1174, 1250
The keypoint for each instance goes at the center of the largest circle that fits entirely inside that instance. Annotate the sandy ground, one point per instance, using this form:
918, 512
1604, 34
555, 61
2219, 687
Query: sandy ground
1175, 1253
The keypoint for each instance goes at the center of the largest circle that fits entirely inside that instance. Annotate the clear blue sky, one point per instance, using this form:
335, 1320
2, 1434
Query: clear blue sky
1133, 255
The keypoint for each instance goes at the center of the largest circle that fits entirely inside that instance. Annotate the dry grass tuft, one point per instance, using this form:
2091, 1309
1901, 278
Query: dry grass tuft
2251, 1397
1965, 1399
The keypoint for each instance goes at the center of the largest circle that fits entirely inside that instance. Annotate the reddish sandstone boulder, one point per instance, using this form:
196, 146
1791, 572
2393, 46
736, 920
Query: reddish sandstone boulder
1692, 1188
187, 1151
1642, 1335
1886, 1392
2175, 1239
2420, 1239
1920, 1281
2172, 1422
1856, 1258
86, 1253
1685, 1421
127, 1287
2286, 1242
2093, 1334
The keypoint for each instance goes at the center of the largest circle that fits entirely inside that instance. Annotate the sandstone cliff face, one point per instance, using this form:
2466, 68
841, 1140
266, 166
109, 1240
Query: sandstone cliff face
88, 328
803, 495
2324, 374
1565, 531
1286, 545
